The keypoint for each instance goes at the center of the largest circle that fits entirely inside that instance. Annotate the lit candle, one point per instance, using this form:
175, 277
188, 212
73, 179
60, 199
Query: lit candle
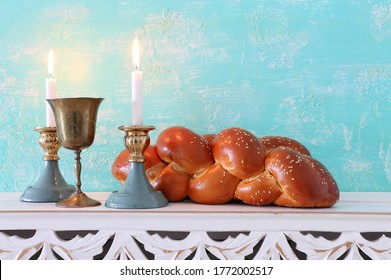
50, 92
137, 81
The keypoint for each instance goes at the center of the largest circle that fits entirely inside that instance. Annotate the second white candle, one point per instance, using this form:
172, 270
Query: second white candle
137, 82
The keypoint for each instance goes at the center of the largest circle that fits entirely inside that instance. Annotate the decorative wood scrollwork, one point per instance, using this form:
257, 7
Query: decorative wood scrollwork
138, 245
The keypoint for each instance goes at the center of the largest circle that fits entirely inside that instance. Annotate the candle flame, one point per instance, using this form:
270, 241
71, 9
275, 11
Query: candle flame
136, 51
50, 63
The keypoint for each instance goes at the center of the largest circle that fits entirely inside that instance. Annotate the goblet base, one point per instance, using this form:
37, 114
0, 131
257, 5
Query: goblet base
78, 200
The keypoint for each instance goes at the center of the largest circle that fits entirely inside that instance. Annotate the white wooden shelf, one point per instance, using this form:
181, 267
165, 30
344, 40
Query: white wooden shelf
359, 226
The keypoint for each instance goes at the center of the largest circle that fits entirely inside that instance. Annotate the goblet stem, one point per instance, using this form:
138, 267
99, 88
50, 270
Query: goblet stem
78, 198
78, 171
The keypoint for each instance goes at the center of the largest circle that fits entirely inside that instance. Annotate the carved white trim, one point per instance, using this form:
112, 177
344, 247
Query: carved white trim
349, 243
199, 242
46, 245
275, 246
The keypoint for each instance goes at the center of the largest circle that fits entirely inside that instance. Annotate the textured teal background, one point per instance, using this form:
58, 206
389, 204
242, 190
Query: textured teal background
316, 71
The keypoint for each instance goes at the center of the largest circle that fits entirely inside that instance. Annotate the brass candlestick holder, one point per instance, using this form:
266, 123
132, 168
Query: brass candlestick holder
136, 192
51, 186
76, 123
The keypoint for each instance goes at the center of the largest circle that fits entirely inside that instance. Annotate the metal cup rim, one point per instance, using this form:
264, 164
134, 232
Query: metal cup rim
74, 98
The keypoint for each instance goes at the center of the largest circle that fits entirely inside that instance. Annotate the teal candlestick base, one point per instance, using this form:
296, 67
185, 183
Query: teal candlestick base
50, 187
136, 192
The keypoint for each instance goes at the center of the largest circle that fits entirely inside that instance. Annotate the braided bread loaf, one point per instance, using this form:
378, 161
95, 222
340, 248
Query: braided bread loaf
234, 164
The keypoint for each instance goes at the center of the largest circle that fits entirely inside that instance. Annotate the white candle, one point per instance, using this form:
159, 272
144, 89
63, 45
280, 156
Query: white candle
50, 92
137, 81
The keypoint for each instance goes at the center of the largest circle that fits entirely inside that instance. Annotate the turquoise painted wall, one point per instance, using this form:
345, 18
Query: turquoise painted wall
316, 71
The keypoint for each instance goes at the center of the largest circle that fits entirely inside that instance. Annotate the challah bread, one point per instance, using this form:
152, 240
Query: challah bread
239, 152
235, 164
184, 148
153, 164
262, 190
120, 167
290, 179
214, 186
304, 181
209, 138
171, 181
280, 141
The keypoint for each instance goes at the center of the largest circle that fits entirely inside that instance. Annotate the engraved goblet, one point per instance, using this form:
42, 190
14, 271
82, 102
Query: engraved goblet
76, 123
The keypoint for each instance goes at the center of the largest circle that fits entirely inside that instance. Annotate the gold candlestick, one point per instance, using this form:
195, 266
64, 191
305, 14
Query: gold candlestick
51, 186
136, 192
